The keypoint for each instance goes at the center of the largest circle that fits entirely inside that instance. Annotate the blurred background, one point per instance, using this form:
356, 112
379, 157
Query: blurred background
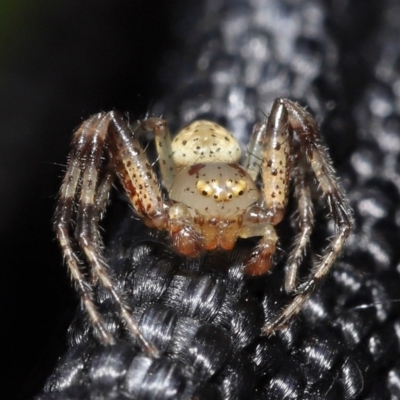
59, 63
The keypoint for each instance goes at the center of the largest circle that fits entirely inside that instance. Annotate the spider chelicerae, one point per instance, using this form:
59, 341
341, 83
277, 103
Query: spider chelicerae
211, 199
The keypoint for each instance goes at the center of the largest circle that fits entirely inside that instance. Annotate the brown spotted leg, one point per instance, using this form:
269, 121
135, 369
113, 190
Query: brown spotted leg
253, 165
305, 220
111, 132
142, 187
64, 214
270, 146
307, 131
135, 173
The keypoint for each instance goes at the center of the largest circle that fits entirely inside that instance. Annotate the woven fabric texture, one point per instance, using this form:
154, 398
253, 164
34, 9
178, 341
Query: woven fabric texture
341, 61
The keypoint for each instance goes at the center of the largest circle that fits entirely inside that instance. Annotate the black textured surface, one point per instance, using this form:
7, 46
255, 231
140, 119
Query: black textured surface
230, 61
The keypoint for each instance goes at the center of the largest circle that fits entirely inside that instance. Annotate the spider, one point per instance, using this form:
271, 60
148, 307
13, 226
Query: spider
211, 199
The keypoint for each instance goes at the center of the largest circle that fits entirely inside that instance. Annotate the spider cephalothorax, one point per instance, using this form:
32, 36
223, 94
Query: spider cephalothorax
212, 200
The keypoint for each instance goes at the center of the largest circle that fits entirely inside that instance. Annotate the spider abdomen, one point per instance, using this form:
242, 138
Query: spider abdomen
204, 141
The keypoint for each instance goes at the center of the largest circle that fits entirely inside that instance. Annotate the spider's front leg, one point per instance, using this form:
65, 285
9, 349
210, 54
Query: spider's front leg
269, 153
105, 131
311, 149
87, 147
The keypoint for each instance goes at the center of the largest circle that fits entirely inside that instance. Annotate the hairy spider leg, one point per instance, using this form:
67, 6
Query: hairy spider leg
63, 217
135, 172
98, 132
103, 190
305, 217
254, 162
307, 131
100, 203
141, 184
270, 151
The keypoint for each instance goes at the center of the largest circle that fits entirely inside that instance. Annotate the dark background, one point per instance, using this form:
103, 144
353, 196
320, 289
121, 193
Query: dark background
59, 63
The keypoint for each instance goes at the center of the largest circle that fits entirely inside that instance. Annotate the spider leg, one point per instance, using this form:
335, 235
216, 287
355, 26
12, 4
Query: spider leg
307, 131
63, 217
141, 184
276, 162
270, 147
253, 159
100, 204
98, 132
103, 190
135, 173
163, 144
305, 220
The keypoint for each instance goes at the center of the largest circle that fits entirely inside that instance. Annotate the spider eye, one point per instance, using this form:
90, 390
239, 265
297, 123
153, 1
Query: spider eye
239, 187
205, 188
230, 195
229, 183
